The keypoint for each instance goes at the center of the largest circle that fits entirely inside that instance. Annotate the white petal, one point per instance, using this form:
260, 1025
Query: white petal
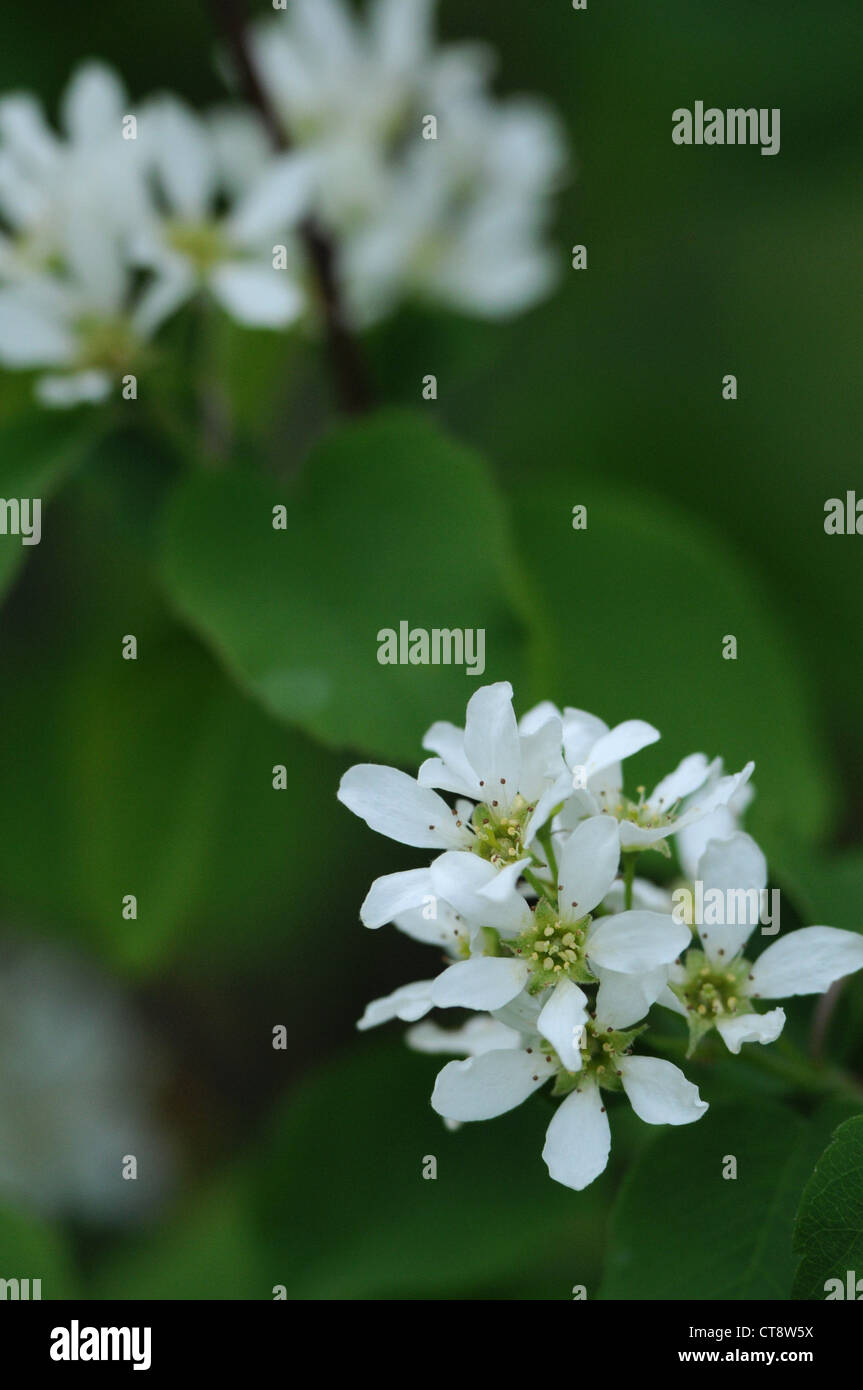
693, 839
434, 772
535, 718
587, 865
715, 794
93, 103
31, 336
174, 282
180, 148
541, 758
669, 1000
805, 962
578, 1139
553, 795
580, 732
636, 941
395, 893
25, 132
450, 770
625, 999
445, 928
562, 1021
485, 982
257, 295
391, 802
735, 866
760, 1028
491, 742
638, 836
488, 1085
78, 388
409, 1002
278, 199
619, 743
522, 1013
659, 1093
478, 1035
470, 885
686, 778
733, 863
401, 33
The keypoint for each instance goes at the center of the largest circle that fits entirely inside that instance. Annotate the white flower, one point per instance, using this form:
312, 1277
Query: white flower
81, 328
516, 775
54, 189
688, 795
458, 218
196, 165
718, 824
578, 1139
549, 937
68, 292
78, 1091
717, 987
546, 950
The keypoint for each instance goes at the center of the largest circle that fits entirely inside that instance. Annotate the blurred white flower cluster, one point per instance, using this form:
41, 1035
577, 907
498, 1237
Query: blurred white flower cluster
550, 936
78, 1091
427, 186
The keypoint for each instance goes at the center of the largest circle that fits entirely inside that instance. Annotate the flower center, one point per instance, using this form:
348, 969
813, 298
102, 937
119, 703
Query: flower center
602, 1051
500, 834
554, 950
639, 813
109, 343
200, 242
710, 993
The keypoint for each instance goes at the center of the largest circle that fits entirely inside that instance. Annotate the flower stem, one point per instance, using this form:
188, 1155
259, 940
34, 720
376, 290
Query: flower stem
541, 889
544, 837
628, 879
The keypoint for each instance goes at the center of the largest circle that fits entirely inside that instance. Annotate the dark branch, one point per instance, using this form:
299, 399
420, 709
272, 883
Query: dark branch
349, 369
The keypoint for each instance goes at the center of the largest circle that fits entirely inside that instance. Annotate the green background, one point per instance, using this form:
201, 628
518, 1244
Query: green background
303, 1167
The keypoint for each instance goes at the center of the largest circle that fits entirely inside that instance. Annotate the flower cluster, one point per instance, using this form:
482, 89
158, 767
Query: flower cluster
551, 936
428, 186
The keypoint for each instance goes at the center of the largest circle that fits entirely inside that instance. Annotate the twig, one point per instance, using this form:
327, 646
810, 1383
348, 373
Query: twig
349, 370
821, 1018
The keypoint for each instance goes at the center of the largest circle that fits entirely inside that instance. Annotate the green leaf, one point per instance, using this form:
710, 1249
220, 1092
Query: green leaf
828, 1234
389, 521
151, 777
640, 603
681, 1230
37, 451
345, 1212
32, 1249
205, 1251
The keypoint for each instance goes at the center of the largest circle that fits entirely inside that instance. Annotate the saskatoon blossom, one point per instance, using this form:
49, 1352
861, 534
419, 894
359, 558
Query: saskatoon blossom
550, 940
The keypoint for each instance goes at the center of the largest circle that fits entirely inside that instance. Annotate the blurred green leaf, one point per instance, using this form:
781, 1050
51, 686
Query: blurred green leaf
205, 1251
32, 1249
828, 1234
345, 1212
154, 778
681, 1230
389, 521
151, 777
37, 450
640, 603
